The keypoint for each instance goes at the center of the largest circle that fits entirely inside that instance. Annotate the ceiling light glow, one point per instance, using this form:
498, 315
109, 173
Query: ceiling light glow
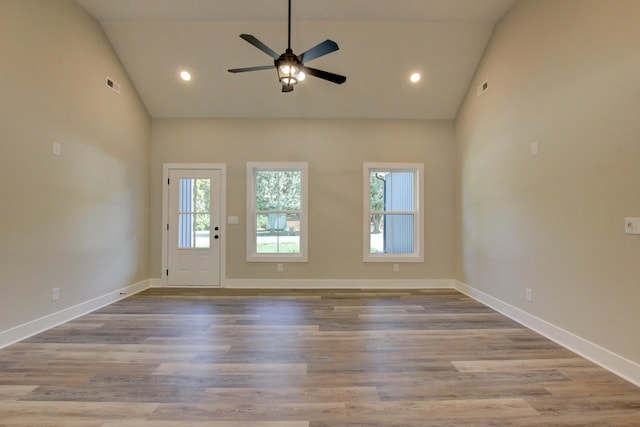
415, 77
185, 75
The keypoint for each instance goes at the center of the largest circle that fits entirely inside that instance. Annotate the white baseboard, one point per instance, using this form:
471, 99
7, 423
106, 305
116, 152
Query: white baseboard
608, 360
337, 283
26, 330
327, 283
158, 283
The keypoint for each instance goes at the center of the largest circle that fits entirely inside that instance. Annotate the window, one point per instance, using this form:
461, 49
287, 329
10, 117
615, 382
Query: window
393, 217
277, 212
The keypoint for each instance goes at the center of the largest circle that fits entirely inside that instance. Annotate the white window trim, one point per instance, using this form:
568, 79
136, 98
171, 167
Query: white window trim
418, 229
252, 255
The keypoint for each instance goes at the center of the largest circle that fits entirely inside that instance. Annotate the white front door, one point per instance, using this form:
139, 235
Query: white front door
194, 227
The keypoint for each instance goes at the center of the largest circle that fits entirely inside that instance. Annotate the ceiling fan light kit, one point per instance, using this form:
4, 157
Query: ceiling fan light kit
289, 66
289, 70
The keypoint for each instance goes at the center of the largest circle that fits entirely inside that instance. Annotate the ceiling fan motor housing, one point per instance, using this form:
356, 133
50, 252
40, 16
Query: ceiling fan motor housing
289, 68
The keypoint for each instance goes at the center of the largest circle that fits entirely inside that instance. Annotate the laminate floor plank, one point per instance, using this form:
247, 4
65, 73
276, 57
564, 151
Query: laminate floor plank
14, 392
173, 357
198, 369
250, 411
78, 413
518, 364
460, 409
284, 395
156, 423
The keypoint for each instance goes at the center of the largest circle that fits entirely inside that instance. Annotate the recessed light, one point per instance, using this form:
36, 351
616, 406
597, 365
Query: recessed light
415, 77
185, 75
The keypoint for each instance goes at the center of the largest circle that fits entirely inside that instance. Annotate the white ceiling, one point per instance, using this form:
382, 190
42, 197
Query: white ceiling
381, 43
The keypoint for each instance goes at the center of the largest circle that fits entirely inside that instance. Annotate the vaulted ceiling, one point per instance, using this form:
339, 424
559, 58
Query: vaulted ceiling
382, 42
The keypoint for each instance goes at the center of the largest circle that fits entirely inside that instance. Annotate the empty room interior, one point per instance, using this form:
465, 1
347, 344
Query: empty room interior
357, 213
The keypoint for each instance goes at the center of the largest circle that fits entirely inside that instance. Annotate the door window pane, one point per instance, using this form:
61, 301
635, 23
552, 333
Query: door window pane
194, 216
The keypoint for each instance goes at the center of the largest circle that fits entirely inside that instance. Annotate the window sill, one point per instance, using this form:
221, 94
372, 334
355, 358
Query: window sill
276, 258
393, 258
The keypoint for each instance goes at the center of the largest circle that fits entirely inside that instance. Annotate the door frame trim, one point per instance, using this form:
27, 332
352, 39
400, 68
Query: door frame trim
166, 168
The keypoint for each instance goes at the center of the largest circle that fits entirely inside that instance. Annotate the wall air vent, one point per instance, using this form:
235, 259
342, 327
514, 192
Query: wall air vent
113, 85
483, 87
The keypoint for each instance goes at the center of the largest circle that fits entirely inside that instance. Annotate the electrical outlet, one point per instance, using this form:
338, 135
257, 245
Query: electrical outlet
396, 268
483, 87
528, 295
55, 294
113, 85
280, 268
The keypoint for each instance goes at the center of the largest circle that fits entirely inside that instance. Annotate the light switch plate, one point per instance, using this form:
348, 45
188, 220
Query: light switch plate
232, 220
632, 225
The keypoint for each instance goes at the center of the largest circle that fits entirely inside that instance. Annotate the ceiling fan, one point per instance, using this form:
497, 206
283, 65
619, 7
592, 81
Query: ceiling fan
290, 67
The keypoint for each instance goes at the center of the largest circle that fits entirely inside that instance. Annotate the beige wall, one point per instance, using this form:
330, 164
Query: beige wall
335, 151
76, 221
563, 73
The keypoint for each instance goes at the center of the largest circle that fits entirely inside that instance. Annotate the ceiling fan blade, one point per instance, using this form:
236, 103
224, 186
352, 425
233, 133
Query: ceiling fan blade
287, 88
334, 78
244, 70
322, 49
257, 43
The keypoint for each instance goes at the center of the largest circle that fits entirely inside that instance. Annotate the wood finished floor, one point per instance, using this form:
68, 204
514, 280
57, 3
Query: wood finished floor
231, 358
